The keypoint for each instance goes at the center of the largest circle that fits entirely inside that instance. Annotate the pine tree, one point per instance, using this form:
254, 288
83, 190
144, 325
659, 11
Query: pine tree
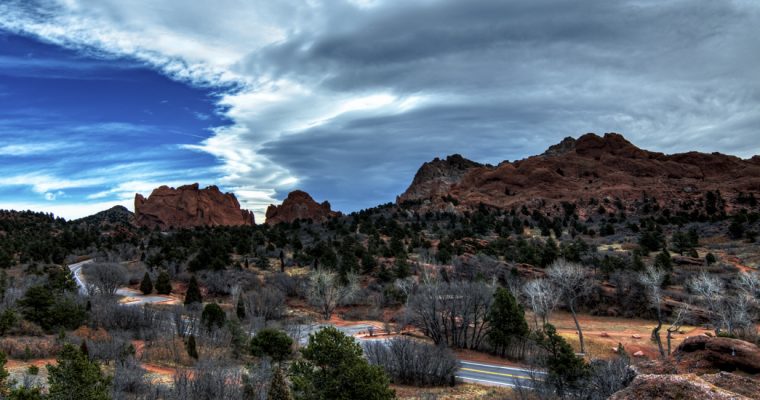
193, 294
506, 321
4, 384
240, 309
192, 349
76, 377
146, 286
278, 389
163, 283
213, 316
565, 370
333, 367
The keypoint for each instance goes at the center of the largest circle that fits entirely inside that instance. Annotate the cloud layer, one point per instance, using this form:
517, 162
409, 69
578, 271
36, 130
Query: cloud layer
346, 99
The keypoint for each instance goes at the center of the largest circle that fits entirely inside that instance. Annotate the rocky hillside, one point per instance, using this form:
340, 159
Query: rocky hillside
188, 206
299, 205
589, 171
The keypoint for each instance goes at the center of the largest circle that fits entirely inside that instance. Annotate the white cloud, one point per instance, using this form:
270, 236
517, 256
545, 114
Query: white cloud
42, 183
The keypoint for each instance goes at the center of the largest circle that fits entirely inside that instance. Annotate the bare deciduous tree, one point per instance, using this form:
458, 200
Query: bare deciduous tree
542, 299
412, 362
730, 311
678, 319
326, 291
452, 313
652, 278
105, 278
263, 305
571, 281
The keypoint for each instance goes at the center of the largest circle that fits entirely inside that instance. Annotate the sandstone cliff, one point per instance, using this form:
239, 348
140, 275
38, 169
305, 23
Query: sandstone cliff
188, 206
299, 205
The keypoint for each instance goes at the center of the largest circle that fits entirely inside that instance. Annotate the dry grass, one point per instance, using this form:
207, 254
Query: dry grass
465, 391
601, 334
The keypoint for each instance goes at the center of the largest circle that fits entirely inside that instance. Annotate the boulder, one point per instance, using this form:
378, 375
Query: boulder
188, 206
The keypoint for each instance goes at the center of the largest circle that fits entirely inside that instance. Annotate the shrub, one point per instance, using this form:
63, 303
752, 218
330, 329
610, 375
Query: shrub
271, 342
411, 362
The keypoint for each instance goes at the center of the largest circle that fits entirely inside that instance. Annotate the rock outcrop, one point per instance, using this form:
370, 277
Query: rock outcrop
188, 206
686, 386
590, 170
299, 205
712, 354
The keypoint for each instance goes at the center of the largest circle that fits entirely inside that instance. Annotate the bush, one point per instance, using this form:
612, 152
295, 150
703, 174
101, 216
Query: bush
412, 362
271, 342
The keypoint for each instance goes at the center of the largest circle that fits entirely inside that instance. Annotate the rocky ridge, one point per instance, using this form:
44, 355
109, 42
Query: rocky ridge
189, 206
594, 167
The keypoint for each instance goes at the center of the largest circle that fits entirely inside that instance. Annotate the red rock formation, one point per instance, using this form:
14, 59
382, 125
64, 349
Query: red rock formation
590, 167
708, 354
686, 386
299, 205
188, 206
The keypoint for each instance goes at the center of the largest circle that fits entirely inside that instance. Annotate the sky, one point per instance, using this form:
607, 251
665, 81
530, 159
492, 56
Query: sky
102, 99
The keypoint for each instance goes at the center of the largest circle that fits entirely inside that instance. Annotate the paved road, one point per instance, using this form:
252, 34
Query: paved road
76, 270
497, 375
136, 298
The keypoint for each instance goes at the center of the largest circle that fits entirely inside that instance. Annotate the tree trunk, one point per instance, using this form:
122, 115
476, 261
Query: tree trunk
578, 327
656, 337
670, 333
656, 332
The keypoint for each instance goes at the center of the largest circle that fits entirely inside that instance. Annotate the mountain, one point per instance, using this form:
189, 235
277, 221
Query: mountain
117, 215
299, 205
188, 206
590, 171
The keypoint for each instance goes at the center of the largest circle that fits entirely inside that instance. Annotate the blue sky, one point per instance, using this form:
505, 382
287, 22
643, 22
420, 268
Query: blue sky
79, 132
345, 99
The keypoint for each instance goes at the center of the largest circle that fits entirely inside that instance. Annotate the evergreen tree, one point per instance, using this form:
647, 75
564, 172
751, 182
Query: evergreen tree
710, 259
506, 321
191, 347
193, 294
333, 367
5, 386
565, 370
163, 283
146, 286
278, 389
213, 316
402, 269
663, 261
76, 377
273, 343
240, 309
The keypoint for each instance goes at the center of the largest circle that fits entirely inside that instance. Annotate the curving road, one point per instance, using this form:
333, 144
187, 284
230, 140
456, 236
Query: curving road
136, 297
